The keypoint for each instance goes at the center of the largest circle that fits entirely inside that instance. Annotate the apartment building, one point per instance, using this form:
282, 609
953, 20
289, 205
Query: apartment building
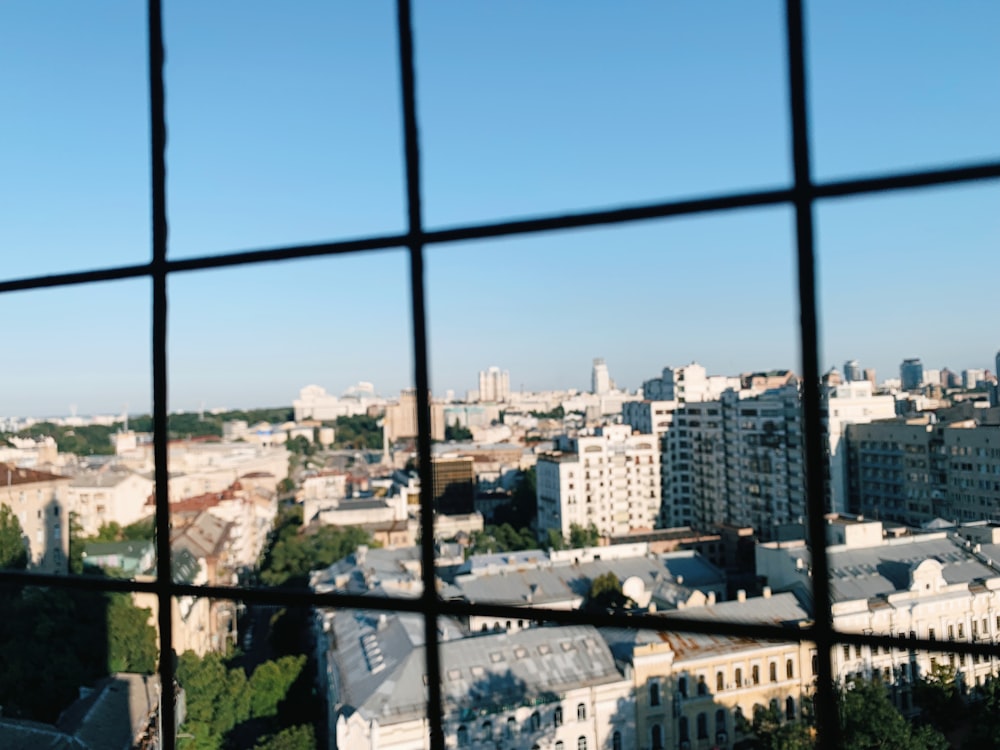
736, 461
854, 402
37, 499
916, 470
689, 383
650, 417
609, 478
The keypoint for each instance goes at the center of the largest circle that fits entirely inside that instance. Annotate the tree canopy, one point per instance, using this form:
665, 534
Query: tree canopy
293, 552
13, 553
220, 698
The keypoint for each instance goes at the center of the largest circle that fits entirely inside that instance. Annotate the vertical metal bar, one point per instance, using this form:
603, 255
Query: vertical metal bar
827, 721
415, 243
158, 146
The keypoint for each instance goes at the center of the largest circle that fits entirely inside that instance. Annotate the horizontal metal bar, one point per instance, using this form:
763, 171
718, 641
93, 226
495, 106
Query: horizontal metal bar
628, 214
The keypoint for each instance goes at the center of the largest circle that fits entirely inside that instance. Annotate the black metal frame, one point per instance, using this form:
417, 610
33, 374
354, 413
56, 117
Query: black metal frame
802, 196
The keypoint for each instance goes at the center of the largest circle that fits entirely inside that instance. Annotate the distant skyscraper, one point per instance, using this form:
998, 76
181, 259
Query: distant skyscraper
870, 375
494, 385
852, 371
911, 374
600, 379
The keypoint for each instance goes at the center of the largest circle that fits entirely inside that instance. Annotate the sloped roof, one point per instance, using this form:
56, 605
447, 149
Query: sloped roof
13, 475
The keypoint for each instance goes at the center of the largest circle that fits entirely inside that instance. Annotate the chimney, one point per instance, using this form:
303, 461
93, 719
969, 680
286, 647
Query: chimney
741, 595
767, 592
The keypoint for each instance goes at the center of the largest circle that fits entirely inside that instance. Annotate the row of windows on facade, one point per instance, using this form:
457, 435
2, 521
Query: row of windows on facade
720, 681
957, 629
534, 725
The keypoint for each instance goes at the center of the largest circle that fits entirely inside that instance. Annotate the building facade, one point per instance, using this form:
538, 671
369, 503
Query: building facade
37, 499
610, 479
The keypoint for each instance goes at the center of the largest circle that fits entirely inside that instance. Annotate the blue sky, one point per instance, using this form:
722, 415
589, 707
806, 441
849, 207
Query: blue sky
284, 127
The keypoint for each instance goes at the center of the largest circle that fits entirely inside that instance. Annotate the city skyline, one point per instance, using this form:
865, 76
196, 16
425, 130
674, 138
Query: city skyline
79, 408
256, 161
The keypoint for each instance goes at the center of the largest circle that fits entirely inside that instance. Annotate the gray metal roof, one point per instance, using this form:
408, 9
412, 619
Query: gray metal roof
382, 672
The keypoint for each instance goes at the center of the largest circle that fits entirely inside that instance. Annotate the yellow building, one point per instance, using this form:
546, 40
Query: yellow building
695, 692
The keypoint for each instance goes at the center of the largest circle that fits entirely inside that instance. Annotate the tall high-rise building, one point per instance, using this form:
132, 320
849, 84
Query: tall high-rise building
600, 378
870, 375
911, 374
494, 385
852, 371
736, 461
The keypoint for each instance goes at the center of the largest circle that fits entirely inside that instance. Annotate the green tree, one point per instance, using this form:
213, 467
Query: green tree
131, 639
583, 537
292, 553
13, 553
606, 594
299, 737
938, 698
772, 733
109, 532
870, 720
270, 682
457, 432
984, 717
555, 539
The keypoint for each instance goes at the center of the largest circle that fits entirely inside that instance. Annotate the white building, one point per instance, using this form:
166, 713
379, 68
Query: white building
649, 417
851, 403
494, 385
315, 403
610, 479
689, 383
929, 586
600, 378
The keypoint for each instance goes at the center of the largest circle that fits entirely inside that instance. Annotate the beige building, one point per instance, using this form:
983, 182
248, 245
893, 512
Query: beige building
401, 418
696, 692
38, 500
105, 496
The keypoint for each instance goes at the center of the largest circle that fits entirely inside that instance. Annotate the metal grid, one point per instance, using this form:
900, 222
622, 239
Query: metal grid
801, 195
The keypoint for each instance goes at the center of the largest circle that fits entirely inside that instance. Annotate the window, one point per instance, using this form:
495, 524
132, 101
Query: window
720, 682
487, 730
702, 726
720, 720
755, 674
682, 729
682, 687
463, 736
702, 687
159, 271
790, 708
773, 671
616, 740
581, 743
656, 737
654, 694
511, 729
789, 669
536, 721
581, 712
557, 716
